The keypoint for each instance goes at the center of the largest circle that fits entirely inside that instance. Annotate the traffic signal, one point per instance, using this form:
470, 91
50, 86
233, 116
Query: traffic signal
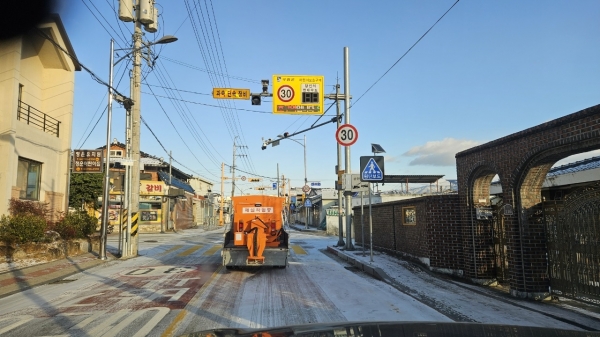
253, 180
255, 99
300, 197
259, 188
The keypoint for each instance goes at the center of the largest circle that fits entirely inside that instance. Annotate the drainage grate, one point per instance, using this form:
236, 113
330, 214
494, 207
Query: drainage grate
62, 281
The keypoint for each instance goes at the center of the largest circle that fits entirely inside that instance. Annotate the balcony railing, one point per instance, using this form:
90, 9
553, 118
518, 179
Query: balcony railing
38, 119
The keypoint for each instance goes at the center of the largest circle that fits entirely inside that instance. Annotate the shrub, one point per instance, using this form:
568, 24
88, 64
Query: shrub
22, 207
22, 228
74, 225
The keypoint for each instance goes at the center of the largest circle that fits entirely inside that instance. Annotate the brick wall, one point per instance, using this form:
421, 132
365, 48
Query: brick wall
445, 232
435, 238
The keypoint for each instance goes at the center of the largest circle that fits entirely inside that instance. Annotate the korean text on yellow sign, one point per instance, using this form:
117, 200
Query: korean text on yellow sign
231, 93
298, 94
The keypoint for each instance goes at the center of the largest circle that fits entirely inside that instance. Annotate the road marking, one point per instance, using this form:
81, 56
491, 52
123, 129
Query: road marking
298, 250
190, 251
212, 250
161, 312
21, 320
170, 250
171, 328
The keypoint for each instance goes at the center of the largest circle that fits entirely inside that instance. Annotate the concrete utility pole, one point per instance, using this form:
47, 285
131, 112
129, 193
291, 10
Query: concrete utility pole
348, 169
233, 170
136, 95
233, 166
222, 191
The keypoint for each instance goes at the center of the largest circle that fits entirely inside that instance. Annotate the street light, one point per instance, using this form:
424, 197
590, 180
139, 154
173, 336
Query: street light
305, 179
127, 102
304, 146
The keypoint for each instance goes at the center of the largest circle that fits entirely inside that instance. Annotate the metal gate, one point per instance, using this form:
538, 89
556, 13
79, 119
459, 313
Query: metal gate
490, 224
573, 238
499, 240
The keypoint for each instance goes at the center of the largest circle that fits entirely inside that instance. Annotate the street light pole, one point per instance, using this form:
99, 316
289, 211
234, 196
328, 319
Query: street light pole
105, 196
305, 181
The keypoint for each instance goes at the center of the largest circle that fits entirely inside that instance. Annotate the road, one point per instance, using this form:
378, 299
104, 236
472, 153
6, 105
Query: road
177, 286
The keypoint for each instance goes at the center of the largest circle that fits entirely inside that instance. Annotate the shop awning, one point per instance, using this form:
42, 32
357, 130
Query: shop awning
164, 176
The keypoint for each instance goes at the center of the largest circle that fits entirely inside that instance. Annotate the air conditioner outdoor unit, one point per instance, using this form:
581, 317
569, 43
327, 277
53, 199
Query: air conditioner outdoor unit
176, 192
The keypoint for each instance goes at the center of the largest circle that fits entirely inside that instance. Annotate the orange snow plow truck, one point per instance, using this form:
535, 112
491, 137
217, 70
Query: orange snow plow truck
256, 236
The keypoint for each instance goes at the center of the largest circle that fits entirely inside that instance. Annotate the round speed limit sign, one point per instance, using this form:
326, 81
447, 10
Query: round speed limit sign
285, 93
346, 135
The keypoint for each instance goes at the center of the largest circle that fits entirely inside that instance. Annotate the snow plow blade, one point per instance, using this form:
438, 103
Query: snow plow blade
238, 257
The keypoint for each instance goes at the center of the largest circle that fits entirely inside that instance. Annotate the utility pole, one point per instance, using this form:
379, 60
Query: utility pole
136, 96
222, 191
348, 169
233, 170
278, 180
169, 224
233, 166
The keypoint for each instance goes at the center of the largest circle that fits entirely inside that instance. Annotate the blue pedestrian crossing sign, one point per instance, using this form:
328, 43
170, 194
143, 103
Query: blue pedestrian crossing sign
307, 203
371, 168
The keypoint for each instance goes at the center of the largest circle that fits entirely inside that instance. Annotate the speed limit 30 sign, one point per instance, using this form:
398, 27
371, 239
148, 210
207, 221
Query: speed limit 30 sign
346, 135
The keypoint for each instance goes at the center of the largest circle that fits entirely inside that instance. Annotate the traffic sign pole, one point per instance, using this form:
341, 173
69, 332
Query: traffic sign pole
348, 169
341, 242
370, 224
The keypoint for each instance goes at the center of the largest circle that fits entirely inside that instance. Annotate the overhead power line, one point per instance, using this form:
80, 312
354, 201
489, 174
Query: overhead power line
209, 71
167, 152
76, 61
401, 57
254, 174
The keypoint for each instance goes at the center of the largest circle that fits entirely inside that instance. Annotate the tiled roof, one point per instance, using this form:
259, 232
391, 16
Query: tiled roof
578, 166
164, 176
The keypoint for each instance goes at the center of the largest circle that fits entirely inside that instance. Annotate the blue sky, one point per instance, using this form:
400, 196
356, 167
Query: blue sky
487, 69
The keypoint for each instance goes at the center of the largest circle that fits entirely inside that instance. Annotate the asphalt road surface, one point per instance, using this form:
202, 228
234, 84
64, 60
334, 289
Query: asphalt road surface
177, 285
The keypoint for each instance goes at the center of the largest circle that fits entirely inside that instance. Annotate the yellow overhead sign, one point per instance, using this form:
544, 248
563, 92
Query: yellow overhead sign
298, 94
231, 93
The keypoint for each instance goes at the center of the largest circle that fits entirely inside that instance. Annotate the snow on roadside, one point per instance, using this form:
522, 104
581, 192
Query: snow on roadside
10, 266
442, 294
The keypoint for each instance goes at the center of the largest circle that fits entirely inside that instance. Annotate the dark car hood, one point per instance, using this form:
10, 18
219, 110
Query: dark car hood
399, 329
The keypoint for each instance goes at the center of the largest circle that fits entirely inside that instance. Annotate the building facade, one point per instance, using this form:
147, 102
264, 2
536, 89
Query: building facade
37, 80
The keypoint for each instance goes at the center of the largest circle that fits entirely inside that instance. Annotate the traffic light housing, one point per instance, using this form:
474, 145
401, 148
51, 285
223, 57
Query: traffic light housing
259, 188
300, 197
253, 180
255, 99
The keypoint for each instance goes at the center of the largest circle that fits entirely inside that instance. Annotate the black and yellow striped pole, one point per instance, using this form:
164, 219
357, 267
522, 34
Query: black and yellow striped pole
134, 223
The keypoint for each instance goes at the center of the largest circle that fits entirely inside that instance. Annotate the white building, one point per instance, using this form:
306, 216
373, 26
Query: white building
37, 81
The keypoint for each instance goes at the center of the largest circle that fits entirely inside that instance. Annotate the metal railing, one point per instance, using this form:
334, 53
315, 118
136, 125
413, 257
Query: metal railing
38, 119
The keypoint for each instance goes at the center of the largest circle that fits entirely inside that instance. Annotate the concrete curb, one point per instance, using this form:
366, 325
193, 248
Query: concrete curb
376, 272
26, 281
301, 229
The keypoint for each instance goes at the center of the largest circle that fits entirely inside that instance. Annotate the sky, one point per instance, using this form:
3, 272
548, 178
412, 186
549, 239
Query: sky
485, 70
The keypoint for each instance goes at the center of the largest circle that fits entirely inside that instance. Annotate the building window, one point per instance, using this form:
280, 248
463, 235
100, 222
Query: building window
409, 216
29, 175
116, 153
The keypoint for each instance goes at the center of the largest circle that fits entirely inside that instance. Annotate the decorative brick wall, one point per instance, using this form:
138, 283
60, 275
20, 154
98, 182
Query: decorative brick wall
521, 161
